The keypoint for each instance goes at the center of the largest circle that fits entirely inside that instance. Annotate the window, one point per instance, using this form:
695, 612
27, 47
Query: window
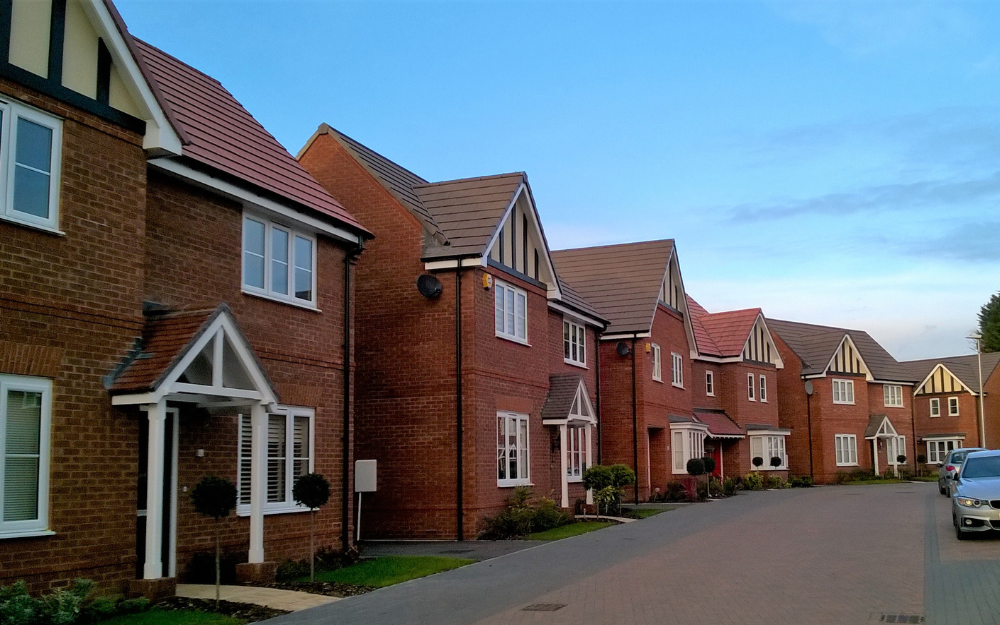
657, 367
574, 343
511, 312
763, 388
937, 451
935, 407
750, 387
952, 406
894, 448
512, 449
710, 383
289, 456
278, 262
892, 396
30, 145
767, 447
676, 370
576, 452
686, 444
847, 450
843, 391
25, 413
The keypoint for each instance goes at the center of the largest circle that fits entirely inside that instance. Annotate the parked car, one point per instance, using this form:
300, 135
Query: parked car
949, 468
975, 504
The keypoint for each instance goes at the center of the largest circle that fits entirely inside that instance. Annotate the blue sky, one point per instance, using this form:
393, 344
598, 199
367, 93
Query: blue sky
832, 162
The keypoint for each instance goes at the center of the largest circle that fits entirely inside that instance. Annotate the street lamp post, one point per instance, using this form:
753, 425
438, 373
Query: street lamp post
979, 356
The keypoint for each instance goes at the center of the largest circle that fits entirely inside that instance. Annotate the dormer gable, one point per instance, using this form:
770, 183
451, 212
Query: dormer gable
518, 245
760, 346
847, 360
941, 380
79, 52
672, 288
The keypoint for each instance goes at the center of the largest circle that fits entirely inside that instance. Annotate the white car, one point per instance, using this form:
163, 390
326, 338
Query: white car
975, 504
949, 468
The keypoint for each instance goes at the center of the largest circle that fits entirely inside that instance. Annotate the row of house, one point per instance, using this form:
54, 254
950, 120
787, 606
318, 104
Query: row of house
181, 297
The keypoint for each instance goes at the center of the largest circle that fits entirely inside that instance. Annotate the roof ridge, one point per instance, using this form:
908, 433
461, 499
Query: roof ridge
597, 247
379, 154
472, 178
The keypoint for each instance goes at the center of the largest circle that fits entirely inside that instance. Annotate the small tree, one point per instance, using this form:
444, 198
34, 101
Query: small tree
696, 467
758, 461
215, 497
312, 491
775, 462
709, 463
607, 484
921, 461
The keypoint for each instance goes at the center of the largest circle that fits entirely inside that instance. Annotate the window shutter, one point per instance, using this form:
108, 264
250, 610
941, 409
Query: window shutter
21, 456
300, 447
276, 458
246, 440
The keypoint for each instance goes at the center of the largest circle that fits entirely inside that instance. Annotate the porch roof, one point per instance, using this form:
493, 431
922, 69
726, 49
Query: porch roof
719, 424
876, 427
568, 399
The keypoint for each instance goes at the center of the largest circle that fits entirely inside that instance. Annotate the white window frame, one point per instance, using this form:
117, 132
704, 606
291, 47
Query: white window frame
574, 336
12, 110
772, 444
576, 451
935, 407
763, 389
523, 460
657, 363
892, 396
267, 291
38, 526
676, 370
501, 313
710, 383
751, 388
896, 445
692, 441
953, 401
289, 505
843, 392
846, 450
938, 449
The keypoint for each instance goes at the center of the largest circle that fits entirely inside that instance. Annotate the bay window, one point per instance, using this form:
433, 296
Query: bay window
278, 262
938, 450
25, 415
767, 447
686, 443
513, 459
289, 456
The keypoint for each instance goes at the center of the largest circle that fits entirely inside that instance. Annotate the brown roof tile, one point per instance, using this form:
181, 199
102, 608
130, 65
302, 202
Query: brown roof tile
816, 345
164, 341
562, 392
724, 334
718, 422
965, 368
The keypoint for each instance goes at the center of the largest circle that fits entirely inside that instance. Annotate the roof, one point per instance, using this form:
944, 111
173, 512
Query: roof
721, 334
621, 281
165, 338
219, 133
965, 368
816, 345
718, 422
562, 392
875, 424
574, 300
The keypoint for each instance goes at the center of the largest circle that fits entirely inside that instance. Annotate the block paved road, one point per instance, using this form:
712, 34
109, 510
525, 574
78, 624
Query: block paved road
837, 554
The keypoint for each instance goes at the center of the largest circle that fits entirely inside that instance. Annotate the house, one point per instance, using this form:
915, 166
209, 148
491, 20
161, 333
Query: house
646, 353
846, 401
735, 390
946, 403
477, 367
176, 303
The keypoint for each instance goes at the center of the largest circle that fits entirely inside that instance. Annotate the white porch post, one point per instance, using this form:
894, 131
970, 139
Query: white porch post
258, 481
590, 492
875, 453
562, 464
157, 415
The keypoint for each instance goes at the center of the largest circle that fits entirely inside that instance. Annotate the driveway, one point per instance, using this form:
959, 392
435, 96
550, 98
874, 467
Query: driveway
838, 554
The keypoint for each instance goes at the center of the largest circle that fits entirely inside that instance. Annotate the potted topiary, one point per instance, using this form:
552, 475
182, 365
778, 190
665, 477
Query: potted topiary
215, 497
709, 470
696, 467
758, 462
775, 462
921, 461
312, 491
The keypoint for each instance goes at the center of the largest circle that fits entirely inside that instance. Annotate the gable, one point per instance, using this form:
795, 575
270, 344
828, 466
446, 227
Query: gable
847, 359
941, 380
760, 345
519, 244
672, 287
79, 52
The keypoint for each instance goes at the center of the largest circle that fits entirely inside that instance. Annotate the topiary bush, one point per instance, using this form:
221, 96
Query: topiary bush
215, 497
696, 466
775, 462
758, 461
709, 463
312, 491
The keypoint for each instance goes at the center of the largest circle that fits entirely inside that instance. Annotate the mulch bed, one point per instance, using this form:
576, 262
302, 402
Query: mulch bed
330, 589
244, 611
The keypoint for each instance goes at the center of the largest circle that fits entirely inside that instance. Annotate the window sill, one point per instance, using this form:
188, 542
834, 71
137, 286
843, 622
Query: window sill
575, 364
514, 339
245, 512
272, 298
574, 480
853, 464
513, 484
843, 403
675, 385
658, 380
33, 226
26, 534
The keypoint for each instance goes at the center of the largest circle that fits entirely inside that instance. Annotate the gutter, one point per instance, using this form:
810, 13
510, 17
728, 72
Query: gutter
459, 430
347, 492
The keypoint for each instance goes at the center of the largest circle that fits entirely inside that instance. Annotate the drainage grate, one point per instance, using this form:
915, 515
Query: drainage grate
551, 607
901, 618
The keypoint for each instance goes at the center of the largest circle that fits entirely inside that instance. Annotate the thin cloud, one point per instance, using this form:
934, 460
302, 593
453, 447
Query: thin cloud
971, 242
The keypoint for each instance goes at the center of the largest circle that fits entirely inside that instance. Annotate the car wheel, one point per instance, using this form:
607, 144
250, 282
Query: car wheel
941, 489
959, 534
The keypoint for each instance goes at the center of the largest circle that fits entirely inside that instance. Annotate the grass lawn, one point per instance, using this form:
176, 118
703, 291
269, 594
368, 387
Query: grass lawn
172, 617
645, 513
572, 529
388, 570
924, 478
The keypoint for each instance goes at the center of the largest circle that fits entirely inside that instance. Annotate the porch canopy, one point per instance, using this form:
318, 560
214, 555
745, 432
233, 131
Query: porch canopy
879, 426
199, 358
567, 405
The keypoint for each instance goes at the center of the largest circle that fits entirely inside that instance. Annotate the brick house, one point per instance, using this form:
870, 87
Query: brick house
459, 279
735, 390
946, 403
141, 347
647, 417
847, 401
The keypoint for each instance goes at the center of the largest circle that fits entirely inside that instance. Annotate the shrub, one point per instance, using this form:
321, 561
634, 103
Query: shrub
675, 492
312, 491
729, 487
840, 477
696, 466
700, 491
715, 488
901, 459
17, 607
607, 484
548, 515
921, 459
709, 464
520, 518
802, 481
773, 481
65, 606
753, 481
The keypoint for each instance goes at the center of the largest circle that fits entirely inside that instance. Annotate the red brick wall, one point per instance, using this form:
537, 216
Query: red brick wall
70, 307
793, 413
966, 421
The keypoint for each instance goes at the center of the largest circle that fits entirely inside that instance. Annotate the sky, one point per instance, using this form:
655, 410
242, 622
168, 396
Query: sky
833, 162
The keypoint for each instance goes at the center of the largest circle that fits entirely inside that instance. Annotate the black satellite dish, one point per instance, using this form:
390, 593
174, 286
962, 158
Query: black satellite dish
429, 286
622, 349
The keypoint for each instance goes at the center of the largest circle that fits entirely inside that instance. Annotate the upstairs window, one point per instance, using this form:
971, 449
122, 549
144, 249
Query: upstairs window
574, 343
657, 365
763, 388
289, 456
30, 146
952, 406
892, 395
278, 262
511, 304
709, 383
843, 391
750, 387
935, 407
676, 370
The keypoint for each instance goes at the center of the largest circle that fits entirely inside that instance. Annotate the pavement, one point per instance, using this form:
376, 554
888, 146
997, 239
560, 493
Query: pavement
835, 554
289, 600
